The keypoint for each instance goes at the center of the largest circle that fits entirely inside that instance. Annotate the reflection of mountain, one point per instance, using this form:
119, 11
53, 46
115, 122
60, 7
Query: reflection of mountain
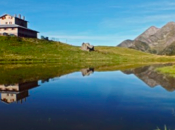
87, 72
152, 78
16, 92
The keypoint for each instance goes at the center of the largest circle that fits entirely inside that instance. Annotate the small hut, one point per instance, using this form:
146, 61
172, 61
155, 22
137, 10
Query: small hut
87, 47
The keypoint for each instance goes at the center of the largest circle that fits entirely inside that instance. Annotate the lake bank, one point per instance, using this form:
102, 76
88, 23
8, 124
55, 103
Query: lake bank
13, 73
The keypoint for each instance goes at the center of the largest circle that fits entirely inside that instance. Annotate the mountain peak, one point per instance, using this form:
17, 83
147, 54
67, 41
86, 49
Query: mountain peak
153, 28
155, 40
150, 31
171, 23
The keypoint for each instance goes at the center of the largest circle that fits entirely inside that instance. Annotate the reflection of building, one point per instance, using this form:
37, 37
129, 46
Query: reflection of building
16, 92
87, 72
10, 97
45, 80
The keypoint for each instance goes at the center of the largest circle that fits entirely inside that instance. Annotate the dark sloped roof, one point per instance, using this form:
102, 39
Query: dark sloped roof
5, 15
15, 26
12, 16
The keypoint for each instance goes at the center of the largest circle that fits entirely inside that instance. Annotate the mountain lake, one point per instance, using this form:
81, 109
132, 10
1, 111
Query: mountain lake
131, 99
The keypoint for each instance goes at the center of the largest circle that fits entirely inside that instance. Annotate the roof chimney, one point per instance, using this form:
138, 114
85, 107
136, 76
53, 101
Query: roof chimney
19, 16
15, 15
23, 17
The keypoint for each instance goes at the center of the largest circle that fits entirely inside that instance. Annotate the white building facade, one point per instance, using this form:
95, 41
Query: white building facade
13, 25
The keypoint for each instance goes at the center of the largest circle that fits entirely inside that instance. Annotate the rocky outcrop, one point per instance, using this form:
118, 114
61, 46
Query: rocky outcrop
154, 40
87, 47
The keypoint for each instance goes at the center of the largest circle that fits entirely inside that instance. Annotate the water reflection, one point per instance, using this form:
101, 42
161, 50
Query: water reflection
20, 91
87, 71
88, 100
152, 78
16, 92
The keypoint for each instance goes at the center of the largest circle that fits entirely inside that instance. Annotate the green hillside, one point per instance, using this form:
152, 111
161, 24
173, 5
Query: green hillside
34, 50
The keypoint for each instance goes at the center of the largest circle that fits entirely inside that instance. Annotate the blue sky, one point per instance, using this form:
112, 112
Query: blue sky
99, 22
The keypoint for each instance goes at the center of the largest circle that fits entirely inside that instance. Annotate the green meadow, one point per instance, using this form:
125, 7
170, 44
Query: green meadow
15, 49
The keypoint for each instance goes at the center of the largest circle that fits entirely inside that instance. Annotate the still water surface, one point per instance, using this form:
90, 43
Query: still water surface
137, 99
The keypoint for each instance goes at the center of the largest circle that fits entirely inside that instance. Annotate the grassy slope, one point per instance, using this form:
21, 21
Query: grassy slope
24, 49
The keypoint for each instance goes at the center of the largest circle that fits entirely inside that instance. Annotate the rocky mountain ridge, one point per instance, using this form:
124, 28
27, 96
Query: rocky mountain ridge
154, 40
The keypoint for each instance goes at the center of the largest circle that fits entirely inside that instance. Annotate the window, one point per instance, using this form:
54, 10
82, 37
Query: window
5, 28
3, 18
12, 100
6, 22
11, 94
10, 22
14, 89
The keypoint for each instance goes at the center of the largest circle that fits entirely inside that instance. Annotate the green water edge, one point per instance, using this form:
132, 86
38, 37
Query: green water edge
19, 73
168, 70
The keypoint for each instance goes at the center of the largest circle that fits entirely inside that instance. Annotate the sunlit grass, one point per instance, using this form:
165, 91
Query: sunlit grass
14, 49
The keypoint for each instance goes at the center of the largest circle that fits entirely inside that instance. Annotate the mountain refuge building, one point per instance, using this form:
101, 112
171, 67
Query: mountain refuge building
16, 26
